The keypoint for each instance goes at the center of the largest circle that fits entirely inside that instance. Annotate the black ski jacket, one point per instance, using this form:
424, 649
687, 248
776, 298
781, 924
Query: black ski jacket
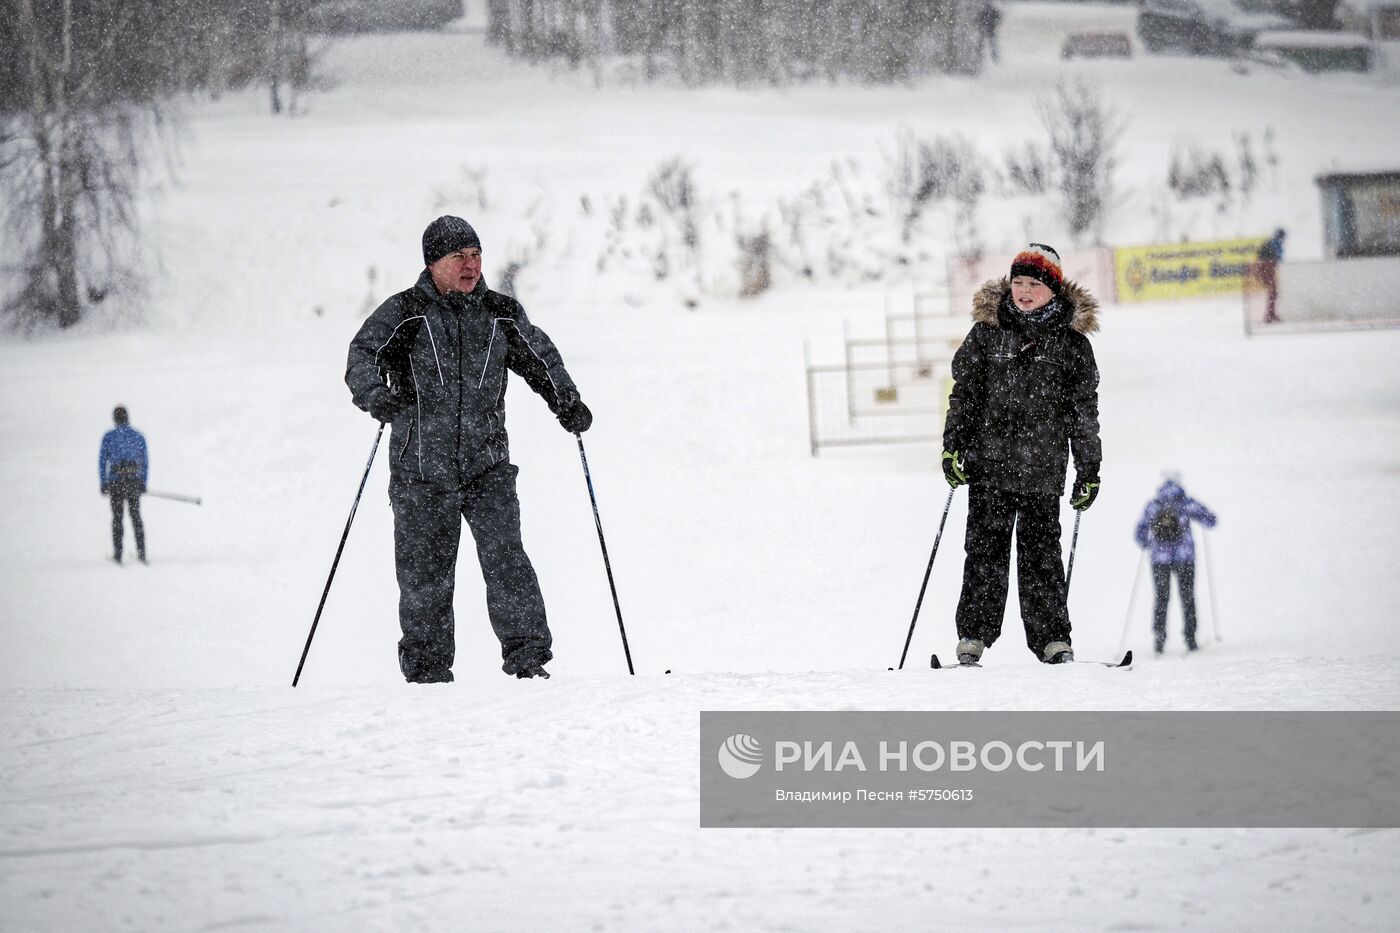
447, 357
1024, 394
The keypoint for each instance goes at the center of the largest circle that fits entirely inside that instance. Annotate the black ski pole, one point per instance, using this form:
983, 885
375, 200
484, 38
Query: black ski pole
1132, 598
607, 564
335, 563
1210, 582
171, 495
1073, 542
924, 586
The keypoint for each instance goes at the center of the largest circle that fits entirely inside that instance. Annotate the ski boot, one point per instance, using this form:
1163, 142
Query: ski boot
970, 651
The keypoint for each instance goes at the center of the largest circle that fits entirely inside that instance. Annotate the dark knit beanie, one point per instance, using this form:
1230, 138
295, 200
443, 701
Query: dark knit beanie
446, 235
1041, 263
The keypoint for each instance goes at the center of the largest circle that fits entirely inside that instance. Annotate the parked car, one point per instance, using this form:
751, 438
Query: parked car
1202, 27
1097, 45
1316, 51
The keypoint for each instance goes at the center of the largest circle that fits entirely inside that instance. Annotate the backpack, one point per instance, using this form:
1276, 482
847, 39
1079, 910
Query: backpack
1167, 525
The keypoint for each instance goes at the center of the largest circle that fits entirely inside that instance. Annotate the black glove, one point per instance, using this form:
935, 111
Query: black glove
576, 418
954, 469
385, 405
105, 489
142, 489
1086, 490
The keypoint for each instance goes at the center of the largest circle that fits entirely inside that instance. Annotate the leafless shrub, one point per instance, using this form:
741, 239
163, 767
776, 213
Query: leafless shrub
467, 190
1245, 165
1199, 173
794, 215
673, 187
922, 172
1083, 132
1027, 170
755, 261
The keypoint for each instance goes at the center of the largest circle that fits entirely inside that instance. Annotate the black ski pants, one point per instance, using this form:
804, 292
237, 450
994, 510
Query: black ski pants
1040, 577
427, 531
1185, 572
128, 494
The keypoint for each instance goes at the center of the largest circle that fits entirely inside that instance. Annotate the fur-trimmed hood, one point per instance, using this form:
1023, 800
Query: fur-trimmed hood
1083, 307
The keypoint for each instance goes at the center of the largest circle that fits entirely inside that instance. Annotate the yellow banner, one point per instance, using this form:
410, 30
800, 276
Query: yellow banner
1183, 270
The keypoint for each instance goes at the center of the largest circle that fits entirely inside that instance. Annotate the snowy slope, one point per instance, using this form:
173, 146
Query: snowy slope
157, 772
571, 805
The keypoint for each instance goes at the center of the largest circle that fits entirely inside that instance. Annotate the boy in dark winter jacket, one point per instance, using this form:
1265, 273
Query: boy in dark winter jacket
433, 361
1165, 529
1025, 397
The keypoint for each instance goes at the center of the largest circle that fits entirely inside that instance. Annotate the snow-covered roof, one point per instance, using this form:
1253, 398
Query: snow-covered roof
1231, 12
1377, 171
1368, 5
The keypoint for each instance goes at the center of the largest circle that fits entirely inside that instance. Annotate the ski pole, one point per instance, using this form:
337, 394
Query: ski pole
1210, 582
171, 495
335, 563
1073, 543
1132, 598
607, 564
924, 586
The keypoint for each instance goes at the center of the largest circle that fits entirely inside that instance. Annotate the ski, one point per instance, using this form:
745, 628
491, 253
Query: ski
938, 665
1126, 662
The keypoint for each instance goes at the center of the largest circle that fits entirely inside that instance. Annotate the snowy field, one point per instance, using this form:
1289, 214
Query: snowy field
158, 773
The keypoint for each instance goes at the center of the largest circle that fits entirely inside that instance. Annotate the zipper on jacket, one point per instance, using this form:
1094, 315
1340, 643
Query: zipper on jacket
417, 410
489, 345
433, 344
461, 391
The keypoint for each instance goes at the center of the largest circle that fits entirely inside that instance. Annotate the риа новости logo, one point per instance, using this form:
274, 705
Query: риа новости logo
741, 756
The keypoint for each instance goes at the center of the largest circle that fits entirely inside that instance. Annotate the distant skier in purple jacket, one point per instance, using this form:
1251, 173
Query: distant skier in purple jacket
1165, 529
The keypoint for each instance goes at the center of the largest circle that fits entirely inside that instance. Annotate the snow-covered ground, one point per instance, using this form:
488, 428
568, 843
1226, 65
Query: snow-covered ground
156, 772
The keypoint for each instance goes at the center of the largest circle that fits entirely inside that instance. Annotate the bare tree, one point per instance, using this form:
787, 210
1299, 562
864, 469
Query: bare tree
1084, 132
750, 41
85, 91
76, 164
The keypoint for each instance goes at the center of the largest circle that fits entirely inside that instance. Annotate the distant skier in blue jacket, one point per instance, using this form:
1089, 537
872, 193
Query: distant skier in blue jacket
1165, 529
122, 465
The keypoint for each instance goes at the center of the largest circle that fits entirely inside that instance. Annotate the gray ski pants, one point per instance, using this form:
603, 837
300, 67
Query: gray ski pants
427, 529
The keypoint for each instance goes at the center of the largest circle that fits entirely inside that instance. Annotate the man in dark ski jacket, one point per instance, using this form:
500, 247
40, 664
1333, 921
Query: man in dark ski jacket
1165, 530
122, 467
1025, 396
432, 361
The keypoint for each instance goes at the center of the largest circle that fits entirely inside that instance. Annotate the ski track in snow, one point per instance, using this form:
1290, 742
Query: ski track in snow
571, 805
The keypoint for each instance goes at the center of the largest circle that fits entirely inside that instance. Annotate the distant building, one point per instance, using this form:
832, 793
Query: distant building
1355, 285
1314, 50
1360, 213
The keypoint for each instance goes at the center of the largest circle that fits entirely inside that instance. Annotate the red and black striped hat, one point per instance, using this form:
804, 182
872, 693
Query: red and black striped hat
1040, 262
